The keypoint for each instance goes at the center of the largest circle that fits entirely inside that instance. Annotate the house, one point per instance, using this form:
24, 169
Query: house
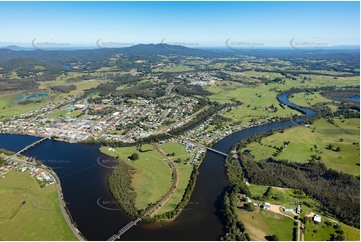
288, 210
317, 218
79, 106
267, 206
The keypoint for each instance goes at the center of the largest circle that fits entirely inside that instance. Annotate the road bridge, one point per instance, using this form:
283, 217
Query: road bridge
124, 229
204, 146
216, 151
31, 145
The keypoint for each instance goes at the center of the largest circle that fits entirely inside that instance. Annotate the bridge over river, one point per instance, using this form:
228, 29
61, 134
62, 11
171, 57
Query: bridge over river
31, 145
124, 229
133, 223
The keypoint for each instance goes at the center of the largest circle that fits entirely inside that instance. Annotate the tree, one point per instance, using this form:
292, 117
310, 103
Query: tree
134, 156
272, 237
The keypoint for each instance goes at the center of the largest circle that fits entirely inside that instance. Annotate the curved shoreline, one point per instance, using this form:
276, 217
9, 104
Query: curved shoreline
220, 140
63, 208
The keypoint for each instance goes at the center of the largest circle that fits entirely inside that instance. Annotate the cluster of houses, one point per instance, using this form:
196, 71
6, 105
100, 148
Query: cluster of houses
315, 217
204, 135
108, 120
41, 175
199, 79
243, 199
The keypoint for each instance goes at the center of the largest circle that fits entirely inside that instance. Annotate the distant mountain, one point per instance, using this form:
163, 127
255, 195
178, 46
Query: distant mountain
345, 47
16, 48
165, 49
70, 56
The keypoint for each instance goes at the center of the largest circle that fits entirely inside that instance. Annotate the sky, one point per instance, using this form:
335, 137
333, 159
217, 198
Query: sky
187, 23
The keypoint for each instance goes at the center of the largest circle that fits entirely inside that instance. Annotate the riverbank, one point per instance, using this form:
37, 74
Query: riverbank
199, 219
43, 203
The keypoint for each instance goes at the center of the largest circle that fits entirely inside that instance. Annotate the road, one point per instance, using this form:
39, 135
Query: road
175, 176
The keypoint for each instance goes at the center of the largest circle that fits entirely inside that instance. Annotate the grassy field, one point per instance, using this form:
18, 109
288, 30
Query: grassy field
9, 105
29, 212
256, 101
305, 99
184, 171
322, 231
153, 177
318, 231
308, 141
261, 223
286, 197
351, 233
178, 149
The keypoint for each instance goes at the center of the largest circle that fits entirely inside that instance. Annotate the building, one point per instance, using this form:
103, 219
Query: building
288, 210
79, 106
267, 206
317, 218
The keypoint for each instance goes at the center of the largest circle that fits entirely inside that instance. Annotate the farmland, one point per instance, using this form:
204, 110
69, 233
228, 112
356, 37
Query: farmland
29, 212
261, 223
314, 140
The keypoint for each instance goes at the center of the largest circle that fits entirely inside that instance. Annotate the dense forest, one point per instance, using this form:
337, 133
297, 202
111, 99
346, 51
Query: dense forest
234, 229
120, 186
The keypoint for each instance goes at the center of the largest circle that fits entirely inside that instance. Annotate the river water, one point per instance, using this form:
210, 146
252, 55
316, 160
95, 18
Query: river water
83, 172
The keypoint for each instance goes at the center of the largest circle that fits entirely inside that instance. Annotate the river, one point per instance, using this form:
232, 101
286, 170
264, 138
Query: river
84, 171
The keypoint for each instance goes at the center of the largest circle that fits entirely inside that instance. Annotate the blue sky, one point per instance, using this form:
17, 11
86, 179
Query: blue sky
191, 23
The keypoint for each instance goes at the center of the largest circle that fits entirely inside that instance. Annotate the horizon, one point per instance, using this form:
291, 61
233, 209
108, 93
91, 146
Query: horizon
190, 24
29, 47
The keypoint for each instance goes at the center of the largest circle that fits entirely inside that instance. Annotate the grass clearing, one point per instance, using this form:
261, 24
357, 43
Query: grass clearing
9, 105
305, 99
261, 223
29, 212
318, 231
286, 197
153, 177
257, 101
351, 233
304, 143
184, 171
